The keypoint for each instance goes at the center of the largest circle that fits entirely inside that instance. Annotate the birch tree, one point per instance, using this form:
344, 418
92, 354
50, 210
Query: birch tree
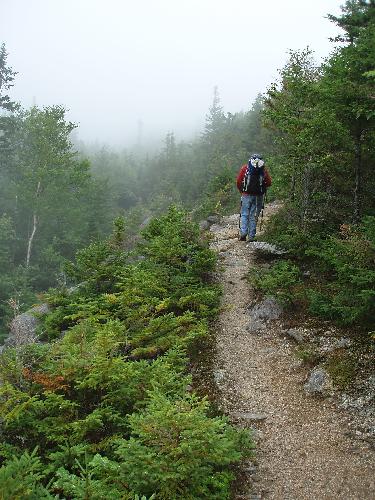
50, 176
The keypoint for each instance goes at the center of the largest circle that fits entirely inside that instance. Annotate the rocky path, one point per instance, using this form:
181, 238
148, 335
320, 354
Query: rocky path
304, 447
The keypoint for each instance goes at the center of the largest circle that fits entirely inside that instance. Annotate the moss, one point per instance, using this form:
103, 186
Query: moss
343, 369
308, 355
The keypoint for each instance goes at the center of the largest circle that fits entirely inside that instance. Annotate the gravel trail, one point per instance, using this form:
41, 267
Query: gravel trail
304, 446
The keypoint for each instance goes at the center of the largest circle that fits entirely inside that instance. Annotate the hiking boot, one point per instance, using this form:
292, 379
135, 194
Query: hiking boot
242, 238
251, 238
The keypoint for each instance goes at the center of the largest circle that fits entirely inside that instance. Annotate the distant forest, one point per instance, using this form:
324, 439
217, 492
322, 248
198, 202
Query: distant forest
315, 127
57, 197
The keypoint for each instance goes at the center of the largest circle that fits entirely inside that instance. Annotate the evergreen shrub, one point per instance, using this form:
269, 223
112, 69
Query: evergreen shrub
103, 410
335, 263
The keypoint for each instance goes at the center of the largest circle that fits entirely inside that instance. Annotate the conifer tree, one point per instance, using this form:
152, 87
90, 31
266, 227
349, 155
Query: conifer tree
6, 81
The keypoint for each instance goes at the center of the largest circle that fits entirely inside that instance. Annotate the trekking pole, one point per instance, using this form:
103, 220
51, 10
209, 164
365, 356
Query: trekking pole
239, 219
261, 216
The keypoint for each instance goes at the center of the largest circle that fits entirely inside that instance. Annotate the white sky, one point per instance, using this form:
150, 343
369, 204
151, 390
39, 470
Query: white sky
113, 63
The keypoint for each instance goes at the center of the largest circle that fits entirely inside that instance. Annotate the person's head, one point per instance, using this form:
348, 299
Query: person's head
256, 161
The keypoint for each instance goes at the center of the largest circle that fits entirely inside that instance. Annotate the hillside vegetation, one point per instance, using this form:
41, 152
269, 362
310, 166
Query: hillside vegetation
103, 406
324, 117
108, 410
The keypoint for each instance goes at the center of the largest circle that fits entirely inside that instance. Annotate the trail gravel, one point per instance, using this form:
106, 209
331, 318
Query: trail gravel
305, 449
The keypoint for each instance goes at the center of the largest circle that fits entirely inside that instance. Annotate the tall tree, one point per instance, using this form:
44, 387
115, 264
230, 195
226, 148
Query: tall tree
6, 81
215, 119
49, 177
356, 15
350, 91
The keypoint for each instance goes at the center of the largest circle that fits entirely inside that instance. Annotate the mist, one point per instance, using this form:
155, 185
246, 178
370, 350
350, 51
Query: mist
128, 72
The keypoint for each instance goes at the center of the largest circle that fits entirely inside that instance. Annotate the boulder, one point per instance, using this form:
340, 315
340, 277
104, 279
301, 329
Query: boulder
267, 309
23, 327
266, 249
256, 326
205, 224
319, 382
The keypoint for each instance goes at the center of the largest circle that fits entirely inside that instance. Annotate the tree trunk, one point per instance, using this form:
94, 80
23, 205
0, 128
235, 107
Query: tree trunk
305, 202
35, 225
293, 187
357, 182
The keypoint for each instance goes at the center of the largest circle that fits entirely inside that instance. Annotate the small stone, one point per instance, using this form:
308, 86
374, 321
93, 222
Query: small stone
219, 376
213, 219
204, 225
319, 382
250, 469
249, 416
343, 342
296, 335
266, 249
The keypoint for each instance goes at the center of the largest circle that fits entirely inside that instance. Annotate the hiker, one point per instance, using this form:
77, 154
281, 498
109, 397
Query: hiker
252, 181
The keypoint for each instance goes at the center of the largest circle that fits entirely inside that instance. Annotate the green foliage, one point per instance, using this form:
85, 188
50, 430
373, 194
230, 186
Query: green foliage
337, 263
177, 452
107, 402
283, 280
323, 167
342, 368
308, 355
346, 263
20, 478
6, 78
284, 230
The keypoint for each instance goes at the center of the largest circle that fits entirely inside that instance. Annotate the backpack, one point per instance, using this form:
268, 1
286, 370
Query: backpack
253, 181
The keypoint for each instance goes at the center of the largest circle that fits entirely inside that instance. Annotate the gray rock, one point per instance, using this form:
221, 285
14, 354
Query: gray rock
266, 249
267, 309
255, 326
246, 415
215, 228
296, 335
328, 345
250, 468
204, 225
219, 376
23, 327
213, 219
343, 342
319, 382
224, 255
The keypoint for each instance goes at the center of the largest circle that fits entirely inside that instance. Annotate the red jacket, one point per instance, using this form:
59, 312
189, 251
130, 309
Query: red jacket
241, 175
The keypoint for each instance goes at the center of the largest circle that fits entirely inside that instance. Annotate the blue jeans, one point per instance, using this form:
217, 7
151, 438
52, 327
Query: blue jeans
251, 206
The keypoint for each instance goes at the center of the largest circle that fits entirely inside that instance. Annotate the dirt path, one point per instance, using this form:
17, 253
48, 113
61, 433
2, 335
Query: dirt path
304, 450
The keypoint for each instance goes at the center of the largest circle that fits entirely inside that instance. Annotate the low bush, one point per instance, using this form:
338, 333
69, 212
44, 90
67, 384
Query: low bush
282, 280
336, 264
103, 410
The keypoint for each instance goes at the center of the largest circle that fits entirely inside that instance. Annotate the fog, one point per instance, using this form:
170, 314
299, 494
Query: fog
130, 70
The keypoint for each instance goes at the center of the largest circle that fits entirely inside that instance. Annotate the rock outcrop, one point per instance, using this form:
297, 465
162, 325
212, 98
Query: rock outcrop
23, 327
